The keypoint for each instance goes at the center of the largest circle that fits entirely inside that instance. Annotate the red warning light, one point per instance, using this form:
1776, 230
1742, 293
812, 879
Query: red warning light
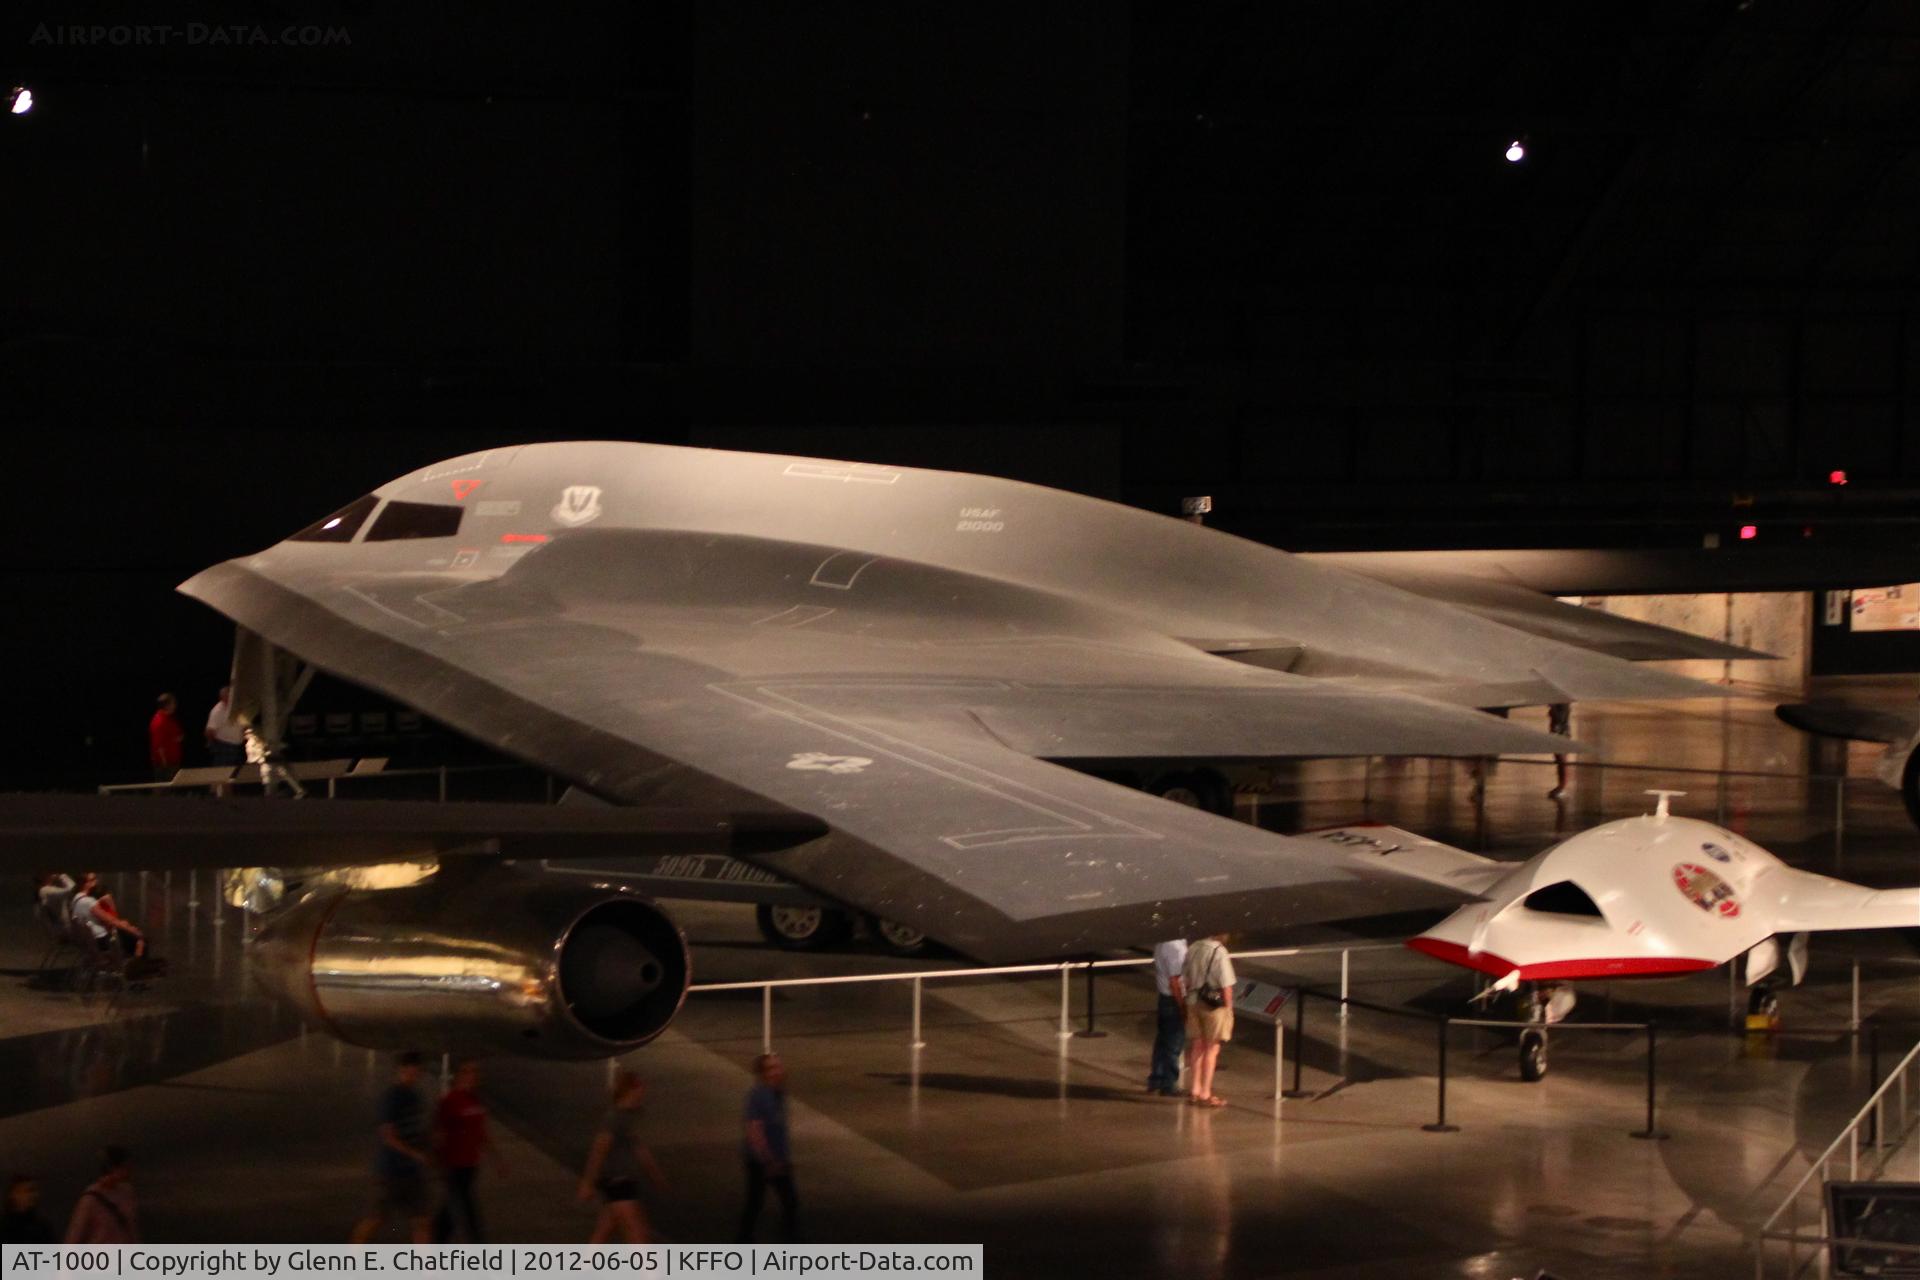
1748, 532
1836, 477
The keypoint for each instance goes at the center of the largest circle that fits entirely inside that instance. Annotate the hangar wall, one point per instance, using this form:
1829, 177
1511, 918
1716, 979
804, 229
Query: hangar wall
1776, 622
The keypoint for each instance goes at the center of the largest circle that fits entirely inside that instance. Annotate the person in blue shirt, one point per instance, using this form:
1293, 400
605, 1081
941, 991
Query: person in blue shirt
1170, 1018
401, 1159
769, 1160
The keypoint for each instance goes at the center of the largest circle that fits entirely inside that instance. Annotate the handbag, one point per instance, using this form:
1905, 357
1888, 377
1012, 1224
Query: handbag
1209, 995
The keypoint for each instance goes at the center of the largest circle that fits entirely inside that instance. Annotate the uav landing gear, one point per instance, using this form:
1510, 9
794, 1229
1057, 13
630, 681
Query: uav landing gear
1542, 1005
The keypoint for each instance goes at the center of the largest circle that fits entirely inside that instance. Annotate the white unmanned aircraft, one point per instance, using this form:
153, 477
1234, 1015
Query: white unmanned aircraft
1651, 896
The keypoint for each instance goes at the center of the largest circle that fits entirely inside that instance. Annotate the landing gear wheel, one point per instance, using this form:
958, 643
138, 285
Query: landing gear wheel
902, 940
1197, 789
802, 928
1762, 1002
1533, 1055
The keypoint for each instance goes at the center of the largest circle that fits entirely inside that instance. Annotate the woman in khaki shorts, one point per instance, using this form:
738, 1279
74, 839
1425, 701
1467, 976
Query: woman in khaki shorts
1208, 975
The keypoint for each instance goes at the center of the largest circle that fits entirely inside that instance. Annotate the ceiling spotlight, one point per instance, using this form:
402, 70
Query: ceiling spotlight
20, 100
1516, 151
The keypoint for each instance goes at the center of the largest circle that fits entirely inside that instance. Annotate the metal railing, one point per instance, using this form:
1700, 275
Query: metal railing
1869, 1123
1299, 995
1065, 968
248, 775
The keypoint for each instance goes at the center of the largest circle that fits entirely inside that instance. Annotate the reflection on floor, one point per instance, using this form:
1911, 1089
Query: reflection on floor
246, 1127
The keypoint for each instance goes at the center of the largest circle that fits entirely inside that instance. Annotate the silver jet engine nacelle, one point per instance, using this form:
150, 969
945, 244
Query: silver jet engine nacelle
500, 961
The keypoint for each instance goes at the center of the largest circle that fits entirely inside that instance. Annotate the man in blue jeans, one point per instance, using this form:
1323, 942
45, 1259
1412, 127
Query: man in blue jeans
1170, 1026
768, 1158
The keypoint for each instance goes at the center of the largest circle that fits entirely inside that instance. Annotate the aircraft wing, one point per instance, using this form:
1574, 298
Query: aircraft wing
709, 674
1584, 572
1484, 588
1810, 902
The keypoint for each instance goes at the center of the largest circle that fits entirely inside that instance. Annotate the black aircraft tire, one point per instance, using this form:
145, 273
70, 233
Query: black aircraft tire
898, 939
1533, 1056
802, 928
1206, 789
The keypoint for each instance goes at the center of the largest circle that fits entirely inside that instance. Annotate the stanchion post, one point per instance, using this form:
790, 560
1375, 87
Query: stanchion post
1440, 1124
1299, 1043
918, 1041
1279, 1055
1651, 1132
1840, 823
1873, 1078
1092, 1032
1366, 792
766, 1017
1343, 984
1856, 993
1065, 1032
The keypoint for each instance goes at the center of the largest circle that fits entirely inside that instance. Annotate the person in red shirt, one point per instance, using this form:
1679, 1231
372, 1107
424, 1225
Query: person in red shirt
164, 740
461, 1142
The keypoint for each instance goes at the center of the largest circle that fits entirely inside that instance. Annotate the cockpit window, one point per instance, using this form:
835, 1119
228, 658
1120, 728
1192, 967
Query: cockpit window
399, 520
1564, 899
341, 525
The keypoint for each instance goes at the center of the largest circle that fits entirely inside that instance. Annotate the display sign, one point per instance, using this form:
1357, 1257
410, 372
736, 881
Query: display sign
1261, 1001
1887, 608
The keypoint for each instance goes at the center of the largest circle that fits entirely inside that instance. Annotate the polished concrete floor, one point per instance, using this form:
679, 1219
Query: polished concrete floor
245, 1127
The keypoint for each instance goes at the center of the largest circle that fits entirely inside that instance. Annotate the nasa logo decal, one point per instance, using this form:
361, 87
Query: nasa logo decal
579, 504
1715, 852
1705, 890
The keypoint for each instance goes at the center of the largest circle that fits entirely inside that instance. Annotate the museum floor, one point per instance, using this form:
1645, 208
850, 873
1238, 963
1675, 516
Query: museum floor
246, 1128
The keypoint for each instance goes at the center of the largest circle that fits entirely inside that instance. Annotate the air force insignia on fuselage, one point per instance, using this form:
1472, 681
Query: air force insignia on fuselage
579, 504
1706, 890
824, 763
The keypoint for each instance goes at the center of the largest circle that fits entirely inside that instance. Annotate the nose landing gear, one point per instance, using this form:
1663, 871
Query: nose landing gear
1542, 1005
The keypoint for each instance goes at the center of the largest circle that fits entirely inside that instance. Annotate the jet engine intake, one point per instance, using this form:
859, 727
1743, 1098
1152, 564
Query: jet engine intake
496, 961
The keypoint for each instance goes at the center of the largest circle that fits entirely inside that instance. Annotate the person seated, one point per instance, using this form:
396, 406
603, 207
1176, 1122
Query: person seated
95, 910
54, 895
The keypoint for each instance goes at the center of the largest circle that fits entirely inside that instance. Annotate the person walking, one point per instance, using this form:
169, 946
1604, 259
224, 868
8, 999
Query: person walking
226, 737
401, 1160
765, 1150
462, 1140
1209, 980
615, 1164
1169, 1026
107, 1212
164, 740
1560, 724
